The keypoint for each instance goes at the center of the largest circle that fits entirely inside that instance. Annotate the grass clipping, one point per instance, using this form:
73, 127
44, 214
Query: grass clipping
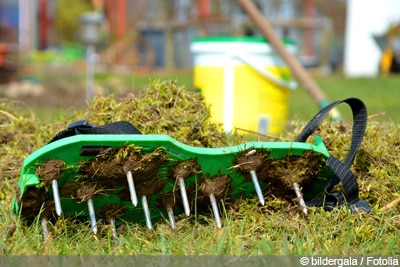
164, 108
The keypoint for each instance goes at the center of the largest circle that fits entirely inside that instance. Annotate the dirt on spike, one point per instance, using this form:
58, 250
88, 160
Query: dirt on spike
149, 187
184, 169
50, 170
69, 188
108, 170
250, 160
111, 211
48, 209
146, 167
85, 192
143, 188
32, 201
216, 185
281, 174
167, 200
99, 170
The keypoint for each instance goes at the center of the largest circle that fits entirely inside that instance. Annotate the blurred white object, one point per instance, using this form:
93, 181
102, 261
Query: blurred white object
366, 19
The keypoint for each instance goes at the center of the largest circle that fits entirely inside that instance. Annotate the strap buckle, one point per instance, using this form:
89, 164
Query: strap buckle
81, 124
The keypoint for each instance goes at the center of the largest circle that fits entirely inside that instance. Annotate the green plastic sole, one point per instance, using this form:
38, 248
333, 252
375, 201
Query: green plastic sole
212, 161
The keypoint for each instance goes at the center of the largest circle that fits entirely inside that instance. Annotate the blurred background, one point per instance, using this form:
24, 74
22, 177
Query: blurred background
43, 48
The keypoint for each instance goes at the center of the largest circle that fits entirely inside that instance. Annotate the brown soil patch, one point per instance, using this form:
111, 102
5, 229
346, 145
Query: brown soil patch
149, 187
32, 201
111, 211
51, 170
281, 174
216, 185
69, 188
167, 200
85, 192
250, 160
146, 167
108, 169
184, 169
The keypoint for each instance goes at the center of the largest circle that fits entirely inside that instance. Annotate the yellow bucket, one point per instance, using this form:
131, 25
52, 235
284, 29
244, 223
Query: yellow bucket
246, 84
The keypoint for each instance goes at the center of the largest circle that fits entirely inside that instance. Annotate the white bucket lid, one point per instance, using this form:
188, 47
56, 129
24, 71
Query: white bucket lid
223, 44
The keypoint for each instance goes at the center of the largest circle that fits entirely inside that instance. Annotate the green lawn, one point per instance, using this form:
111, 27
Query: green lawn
381, 94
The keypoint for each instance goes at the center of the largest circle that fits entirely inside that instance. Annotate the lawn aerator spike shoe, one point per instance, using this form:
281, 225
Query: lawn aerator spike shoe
107, 169
115, 174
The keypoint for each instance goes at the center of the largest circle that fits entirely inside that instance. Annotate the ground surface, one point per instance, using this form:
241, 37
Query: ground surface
36, 95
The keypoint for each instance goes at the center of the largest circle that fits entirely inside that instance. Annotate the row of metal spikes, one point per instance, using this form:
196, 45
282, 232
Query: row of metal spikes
146, 209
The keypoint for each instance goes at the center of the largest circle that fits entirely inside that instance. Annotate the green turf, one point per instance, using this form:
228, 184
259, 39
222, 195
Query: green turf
380, 94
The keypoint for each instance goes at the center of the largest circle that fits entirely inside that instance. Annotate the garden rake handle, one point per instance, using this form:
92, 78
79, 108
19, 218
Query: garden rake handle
298, 71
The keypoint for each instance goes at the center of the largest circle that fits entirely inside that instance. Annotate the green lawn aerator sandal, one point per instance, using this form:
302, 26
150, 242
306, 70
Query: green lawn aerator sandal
116, 174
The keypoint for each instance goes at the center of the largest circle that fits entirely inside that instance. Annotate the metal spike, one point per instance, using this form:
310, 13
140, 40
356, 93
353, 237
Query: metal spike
56, 196
300, 197
251, 152
146, 211
171, 218
214, 207
44, 227
184, 196
92, 216
132, 188
257, 187
114, 230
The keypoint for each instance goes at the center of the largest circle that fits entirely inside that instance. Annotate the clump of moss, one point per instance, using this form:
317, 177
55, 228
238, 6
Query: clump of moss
20, 134
164, 108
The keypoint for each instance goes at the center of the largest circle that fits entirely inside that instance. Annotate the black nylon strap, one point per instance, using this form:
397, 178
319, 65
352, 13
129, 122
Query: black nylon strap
342, 169
119, 127
83, 127
359, 124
